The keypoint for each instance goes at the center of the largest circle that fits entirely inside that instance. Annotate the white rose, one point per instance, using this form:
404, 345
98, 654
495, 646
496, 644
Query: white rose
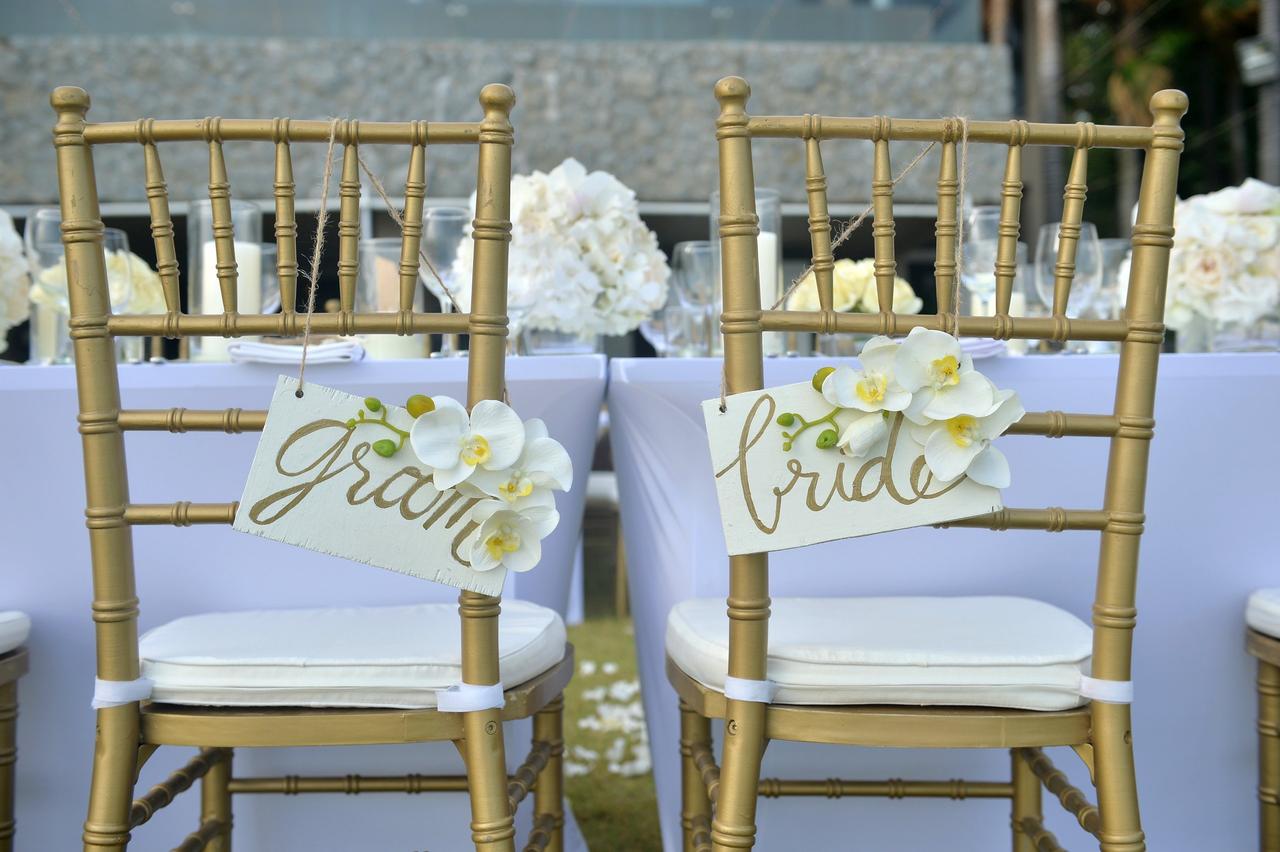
14, 279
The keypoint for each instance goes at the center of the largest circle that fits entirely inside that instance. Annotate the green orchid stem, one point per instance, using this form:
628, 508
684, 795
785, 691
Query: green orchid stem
789, 438
401, 434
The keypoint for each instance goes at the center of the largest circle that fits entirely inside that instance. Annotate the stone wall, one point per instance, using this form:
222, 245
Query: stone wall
642, 110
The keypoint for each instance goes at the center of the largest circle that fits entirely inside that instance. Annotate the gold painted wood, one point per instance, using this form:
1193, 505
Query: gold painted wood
1100, 732
946, 229
415, 190
819, 222
283, 325
179, 781
1072, 798
521, 782
348, 224
161, 221
1069, 229
956, 789
1267, 650
128, 734
12, 666
349, 785
286, 224
1010, 210
882, 227
224, 245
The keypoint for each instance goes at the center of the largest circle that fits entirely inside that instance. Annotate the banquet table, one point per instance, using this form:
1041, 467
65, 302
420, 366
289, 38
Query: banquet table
1211, 538
45, 571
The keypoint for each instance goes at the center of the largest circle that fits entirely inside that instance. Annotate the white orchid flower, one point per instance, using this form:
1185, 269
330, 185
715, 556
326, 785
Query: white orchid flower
962, 444
871, 387
866, 435
543, 465
930, 365
455, 445
508, 538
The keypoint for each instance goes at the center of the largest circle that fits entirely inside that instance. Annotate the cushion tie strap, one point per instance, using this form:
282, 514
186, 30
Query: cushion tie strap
1107, 691
114, 693
468, 697
741, 689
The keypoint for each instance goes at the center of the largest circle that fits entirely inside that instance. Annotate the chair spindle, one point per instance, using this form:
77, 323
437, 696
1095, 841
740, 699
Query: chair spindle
415, 190
882, 226
1072, 213
349, 220
286, 222
819, 219
945, 228
161, 221
1010, 214
224, 241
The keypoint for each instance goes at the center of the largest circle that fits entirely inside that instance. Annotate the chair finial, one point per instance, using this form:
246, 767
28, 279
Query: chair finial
496, 97
732, 89
1169, 104
69, 99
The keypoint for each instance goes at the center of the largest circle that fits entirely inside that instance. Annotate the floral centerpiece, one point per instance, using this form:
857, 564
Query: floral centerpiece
853, 290
582, 262
1224, 269
13, 279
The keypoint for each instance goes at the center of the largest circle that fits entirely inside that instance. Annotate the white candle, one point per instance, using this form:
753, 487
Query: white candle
767, 256
386, 297
248, 293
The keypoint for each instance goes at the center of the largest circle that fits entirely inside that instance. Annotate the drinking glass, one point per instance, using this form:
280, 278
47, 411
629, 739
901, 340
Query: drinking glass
444, 229
981, 243
1088, 267
693, 272
1112, 290
378, 291
204, 289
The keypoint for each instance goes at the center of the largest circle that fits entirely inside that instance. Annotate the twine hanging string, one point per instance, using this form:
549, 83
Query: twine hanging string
313, 276
853, 225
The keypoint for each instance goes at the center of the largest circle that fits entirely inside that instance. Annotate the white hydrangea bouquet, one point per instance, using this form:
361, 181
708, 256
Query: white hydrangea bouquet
853, 290
582, 261
134, 286
13, 279
1225, 262
513, 466
954, 411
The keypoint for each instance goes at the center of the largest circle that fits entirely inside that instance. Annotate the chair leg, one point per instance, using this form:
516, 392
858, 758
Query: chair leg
8, 759
115, 764
695, 815
1117, 784
492, 826
1269, 756
734, 824
1026, 802
548, 793
215, 801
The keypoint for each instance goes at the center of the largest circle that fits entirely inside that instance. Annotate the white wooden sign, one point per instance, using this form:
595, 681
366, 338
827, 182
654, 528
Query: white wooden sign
319, 482
773, 498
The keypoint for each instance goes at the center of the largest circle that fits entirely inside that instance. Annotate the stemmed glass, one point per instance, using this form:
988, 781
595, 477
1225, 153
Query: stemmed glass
1088, 267
443, 231
682, 327
981, 243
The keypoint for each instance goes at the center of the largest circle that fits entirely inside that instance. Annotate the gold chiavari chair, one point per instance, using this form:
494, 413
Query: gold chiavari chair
14, 627
1263, 642
130, 727
719, 803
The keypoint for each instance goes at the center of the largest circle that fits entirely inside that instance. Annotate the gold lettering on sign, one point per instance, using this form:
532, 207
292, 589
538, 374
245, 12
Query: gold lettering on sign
409, 490
861, 485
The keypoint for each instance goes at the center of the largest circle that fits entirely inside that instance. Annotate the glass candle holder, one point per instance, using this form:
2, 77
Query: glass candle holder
204, 293
378, 291
769, 255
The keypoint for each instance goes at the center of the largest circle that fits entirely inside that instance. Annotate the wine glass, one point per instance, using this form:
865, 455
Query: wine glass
443, 231
1088, 267
693, 272
981, 244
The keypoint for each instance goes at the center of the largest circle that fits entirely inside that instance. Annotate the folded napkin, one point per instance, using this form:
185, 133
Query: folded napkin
982, 347
255, 352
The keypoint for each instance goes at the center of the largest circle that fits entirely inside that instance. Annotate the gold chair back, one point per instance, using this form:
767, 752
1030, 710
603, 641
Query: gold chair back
1129, 427
111, 514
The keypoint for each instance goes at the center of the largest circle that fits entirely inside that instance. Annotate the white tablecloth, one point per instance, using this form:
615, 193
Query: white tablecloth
44, 570
1211, 538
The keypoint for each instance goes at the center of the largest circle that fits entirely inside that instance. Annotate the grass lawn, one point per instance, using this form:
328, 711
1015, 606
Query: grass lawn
616, 812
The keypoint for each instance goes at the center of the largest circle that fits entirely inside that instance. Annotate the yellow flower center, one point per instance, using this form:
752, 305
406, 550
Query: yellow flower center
502, 540
516, 487
963, 429
871, 388
475, 450
946, 371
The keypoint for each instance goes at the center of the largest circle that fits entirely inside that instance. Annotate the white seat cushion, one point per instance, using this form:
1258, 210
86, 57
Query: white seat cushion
1263, 612
394, 656
14, 629
980, 651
